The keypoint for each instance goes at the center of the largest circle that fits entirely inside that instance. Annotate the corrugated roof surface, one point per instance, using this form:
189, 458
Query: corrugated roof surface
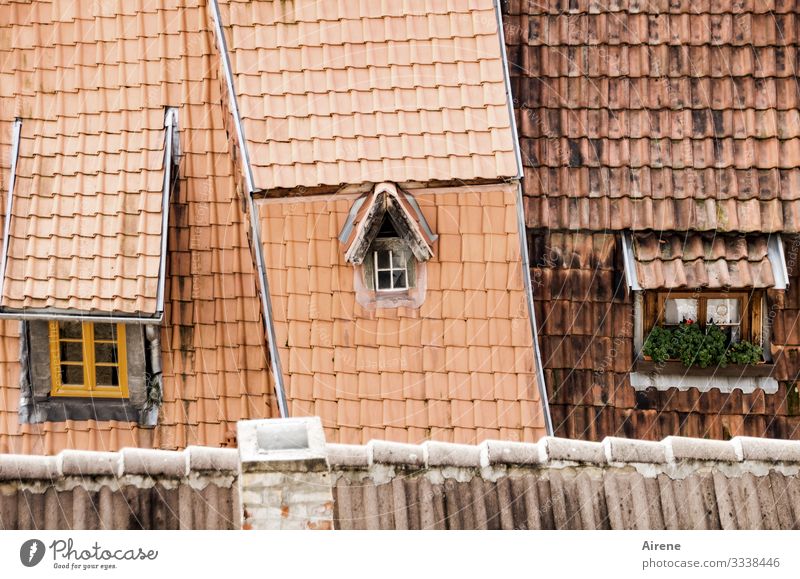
353, 92
653, 115
682, 483
458, 368
216, 366
708, 260
87, 82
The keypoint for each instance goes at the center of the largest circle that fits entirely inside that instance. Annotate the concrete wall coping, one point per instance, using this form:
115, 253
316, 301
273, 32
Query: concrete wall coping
611, 451
128, 461
614, 451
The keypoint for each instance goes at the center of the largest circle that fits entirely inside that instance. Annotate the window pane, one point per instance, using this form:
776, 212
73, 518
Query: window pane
399, 278
723, 311
398, 259
70, 330
71, 351
679, 310
107, 376
383, 259
71, 374
105, 353
105, 332
384, 280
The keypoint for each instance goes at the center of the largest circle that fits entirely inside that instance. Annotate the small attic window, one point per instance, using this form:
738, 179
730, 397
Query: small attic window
388, 241
392, 265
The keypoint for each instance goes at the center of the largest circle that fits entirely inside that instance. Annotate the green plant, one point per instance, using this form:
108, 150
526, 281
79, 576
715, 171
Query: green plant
696, 346
700, 347
743, 352
660, 344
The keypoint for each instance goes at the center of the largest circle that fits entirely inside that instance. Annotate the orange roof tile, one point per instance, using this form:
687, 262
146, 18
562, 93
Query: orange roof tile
349, 92
86, 227
455, 367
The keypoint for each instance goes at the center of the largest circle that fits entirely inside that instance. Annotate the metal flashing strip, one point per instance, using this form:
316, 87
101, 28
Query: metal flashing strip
255, 228
420, 217
15, 136
171, 128
234, 103
507, 83
347, 229
526, 276
83, 317
777, 258
630, 263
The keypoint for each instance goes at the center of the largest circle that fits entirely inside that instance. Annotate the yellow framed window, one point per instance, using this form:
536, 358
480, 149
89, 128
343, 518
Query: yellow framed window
88, 360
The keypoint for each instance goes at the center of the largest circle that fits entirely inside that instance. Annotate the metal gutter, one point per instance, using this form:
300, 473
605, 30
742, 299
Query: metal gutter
507, 82
255, 228
171, 124
15, 135
65, 316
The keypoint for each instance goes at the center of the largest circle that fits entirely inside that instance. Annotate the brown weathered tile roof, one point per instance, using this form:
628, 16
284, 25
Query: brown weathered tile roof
353, 92
86, 227
656, 115
708, 260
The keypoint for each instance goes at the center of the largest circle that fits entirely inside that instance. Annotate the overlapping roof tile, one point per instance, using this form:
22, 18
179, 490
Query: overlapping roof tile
350, 92
458, 368
707, 260
86, 227
646, 116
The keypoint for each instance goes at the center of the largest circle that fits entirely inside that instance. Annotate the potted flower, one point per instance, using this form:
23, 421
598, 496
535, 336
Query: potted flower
693, 345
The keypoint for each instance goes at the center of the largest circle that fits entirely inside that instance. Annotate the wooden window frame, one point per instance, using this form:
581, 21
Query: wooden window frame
395, 245
89, 389
751, 309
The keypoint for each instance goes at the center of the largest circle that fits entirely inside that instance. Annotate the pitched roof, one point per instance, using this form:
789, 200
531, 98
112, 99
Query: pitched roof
707, 260
641, 116
350, 92
86, 227
386, 202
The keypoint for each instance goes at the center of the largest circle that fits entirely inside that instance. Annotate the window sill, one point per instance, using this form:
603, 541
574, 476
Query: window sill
673, 374
63, 408
731, 370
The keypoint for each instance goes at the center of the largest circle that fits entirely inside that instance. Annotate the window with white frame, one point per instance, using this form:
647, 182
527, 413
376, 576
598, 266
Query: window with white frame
391, 265
391, 270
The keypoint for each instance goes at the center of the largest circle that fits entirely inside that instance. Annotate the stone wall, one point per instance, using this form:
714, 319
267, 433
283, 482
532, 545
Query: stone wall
288, 478
130, 489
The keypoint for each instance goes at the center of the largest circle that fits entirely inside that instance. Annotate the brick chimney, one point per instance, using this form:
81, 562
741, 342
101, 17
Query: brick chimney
285, 480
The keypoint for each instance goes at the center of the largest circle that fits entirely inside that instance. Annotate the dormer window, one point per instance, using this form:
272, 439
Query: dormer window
388, 242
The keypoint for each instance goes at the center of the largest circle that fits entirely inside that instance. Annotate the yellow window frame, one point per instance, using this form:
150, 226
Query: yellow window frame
89, 388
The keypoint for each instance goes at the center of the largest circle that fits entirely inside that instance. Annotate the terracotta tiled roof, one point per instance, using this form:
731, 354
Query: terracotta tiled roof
215, 363
645, 115
86, 226
709, 260
353, 92
459, 368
